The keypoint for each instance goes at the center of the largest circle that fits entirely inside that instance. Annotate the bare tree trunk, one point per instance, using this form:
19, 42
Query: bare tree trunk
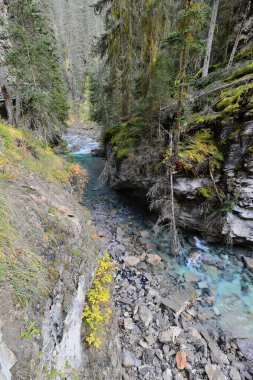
125, 100
210, 38
17, 110
6, 96
238, 37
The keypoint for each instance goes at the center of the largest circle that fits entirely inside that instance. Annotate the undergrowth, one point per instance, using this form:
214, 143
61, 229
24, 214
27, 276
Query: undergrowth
199, 153
19, 268
20, 150
126, 136
23, 155
97, 310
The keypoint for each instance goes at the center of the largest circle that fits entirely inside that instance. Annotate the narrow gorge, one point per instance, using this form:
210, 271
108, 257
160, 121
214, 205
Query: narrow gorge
126, 190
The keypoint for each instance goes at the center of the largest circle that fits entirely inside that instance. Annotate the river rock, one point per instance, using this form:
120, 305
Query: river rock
176, 301
167, 374
214, 372
153, 259
129, 360
234, 374
144, 369
170, 334
211, 271
246, 347
131, 261
128, 324
216, 351
145, 315
7, 358
179, 376
144, 234
249, 262
191, 277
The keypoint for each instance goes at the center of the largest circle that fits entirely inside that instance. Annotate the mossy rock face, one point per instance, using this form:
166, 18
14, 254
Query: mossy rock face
243, 71
199, 153
245, 54
126, 136
208, 120
250, 150
235, 100
206, 191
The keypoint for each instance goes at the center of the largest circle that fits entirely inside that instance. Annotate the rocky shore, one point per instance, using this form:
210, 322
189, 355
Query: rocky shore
164, 318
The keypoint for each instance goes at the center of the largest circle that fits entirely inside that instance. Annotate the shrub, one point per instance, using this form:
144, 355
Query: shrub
97, 309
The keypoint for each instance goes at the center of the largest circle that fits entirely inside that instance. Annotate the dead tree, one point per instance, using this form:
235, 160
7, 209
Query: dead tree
210, 38
238, 37
6, 96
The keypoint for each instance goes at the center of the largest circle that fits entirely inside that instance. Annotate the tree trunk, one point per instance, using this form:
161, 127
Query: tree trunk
238, 37
17, 110
124, 90
6, 96
210, 38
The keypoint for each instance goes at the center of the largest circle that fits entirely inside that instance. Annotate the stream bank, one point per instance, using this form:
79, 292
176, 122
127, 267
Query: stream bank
166, 305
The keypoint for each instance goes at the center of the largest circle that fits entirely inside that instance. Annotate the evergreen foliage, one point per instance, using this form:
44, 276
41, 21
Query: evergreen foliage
33, 65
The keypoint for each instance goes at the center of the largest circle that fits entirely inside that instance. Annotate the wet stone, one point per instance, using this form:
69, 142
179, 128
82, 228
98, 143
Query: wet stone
246, 347
191, 277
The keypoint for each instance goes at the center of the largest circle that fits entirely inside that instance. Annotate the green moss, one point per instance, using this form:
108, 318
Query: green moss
225, 102
197, 150
158, 167
245, 70
123, 153
230, 99
230, 110
206, 191
250, 104
236, 91
207, 120
244, 54
234, 135
250, 150
125, 136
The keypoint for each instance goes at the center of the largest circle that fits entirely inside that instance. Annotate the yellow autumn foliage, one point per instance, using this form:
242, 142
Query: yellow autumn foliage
97, 309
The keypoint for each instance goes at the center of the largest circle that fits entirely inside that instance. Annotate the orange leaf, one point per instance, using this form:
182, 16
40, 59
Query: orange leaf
181, 359
95, 237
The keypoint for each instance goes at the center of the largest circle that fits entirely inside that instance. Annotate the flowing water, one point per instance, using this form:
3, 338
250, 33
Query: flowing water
219, 268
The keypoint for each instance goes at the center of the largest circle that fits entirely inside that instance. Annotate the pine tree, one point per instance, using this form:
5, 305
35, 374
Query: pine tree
34, 66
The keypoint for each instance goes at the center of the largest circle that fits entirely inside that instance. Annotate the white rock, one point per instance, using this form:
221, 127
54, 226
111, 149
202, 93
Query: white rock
167, 374
191, 277
132, 261
153, 259
170, 334
129, 360
145, 315
249, 262
214, 372
128, 324
234, 374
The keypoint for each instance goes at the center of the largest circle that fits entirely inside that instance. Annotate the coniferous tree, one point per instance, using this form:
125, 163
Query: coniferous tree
33, 64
